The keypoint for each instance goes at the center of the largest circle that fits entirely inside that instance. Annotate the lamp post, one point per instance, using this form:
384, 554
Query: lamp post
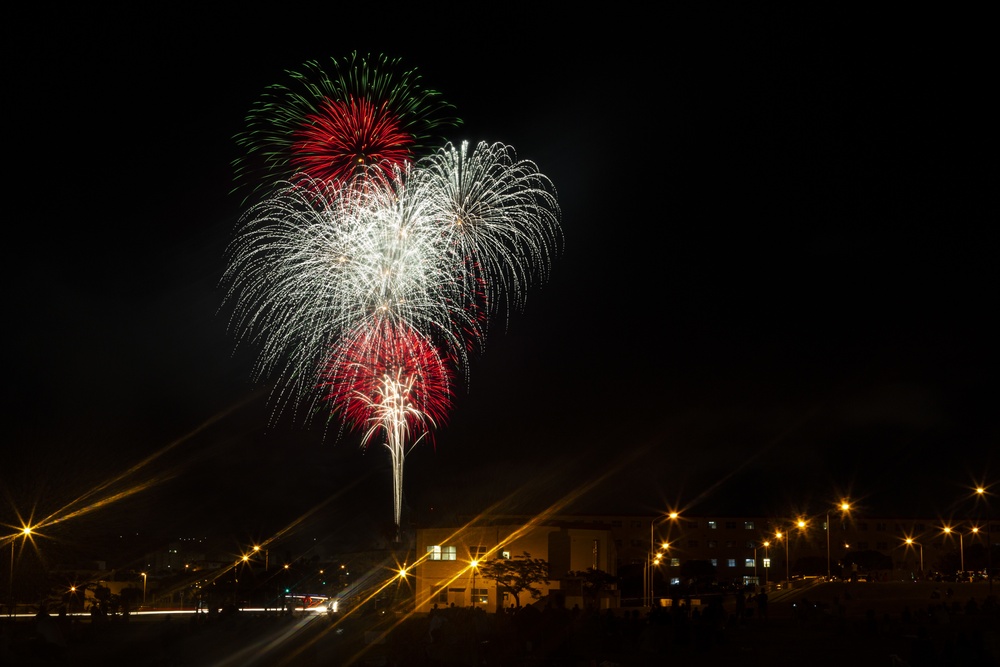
652, 578
910, 542
845, 507
475, 565
961, 547
784, 537
648, 573
981, 492
143, 588
25, 532
767, 561
256, 550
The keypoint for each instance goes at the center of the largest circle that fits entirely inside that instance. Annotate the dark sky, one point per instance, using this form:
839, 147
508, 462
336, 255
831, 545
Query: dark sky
778, 285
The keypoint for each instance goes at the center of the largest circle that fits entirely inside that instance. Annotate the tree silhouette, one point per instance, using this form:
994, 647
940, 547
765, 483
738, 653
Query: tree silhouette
516, 575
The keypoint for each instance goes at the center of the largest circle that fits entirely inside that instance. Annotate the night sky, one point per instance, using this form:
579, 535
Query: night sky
778, 285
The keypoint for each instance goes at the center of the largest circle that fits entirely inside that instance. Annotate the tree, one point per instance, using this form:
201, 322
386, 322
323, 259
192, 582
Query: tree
516, 575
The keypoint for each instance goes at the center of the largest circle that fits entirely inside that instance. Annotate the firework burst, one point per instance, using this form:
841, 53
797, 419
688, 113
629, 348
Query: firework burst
367, 274
331, 121
502, 218
316, 264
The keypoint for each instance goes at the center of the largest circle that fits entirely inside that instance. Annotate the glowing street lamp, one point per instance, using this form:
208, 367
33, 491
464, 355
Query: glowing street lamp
649, 572
25, 533
801, 524
767, 564
910, 542
475, 567
784, 537
256, 550
143, 588
982, 493
961, 546
845, 507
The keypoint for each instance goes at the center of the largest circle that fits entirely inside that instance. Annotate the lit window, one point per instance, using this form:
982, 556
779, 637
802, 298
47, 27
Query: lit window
675, 562
481, 595
731, 562
712, 525
438, 552
749, 562
714, 562
748, 525
505, 555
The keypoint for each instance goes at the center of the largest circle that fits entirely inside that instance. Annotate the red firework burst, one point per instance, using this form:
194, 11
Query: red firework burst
346, 136
362, 365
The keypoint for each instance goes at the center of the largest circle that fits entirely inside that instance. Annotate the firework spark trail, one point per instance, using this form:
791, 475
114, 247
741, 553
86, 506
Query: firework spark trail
330, 119
390, 380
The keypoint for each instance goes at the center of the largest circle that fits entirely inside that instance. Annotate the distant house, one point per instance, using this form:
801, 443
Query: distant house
445, 575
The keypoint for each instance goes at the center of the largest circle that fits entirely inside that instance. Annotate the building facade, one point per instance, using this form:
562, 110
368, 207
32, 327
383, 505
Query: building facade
448, 573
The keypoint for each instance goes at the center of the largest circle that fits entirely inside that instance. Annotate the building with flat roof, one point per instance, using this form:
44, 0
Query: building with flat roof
448, 570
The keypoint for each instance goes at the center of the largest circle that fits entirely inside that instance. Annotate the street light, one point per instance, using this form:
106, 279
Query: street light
755, 576
143, 588
845, 507
961, 546
256, 550
910, 542
981, 492
648, 575
784, 537
25, 532
652, 578
475, 565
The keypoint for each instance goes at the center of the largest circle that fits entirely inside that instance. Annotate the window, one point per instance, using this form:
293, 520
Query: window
862, 545
731, 562
438, 552
675, 562
749, 544
481, 595
748, 525
693, 544
442, 596
730, 544
478, 553
882, 546
862, 526
712, 525
731, 525
712, 544
881, 526
714, 562
749, 562
505, 554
